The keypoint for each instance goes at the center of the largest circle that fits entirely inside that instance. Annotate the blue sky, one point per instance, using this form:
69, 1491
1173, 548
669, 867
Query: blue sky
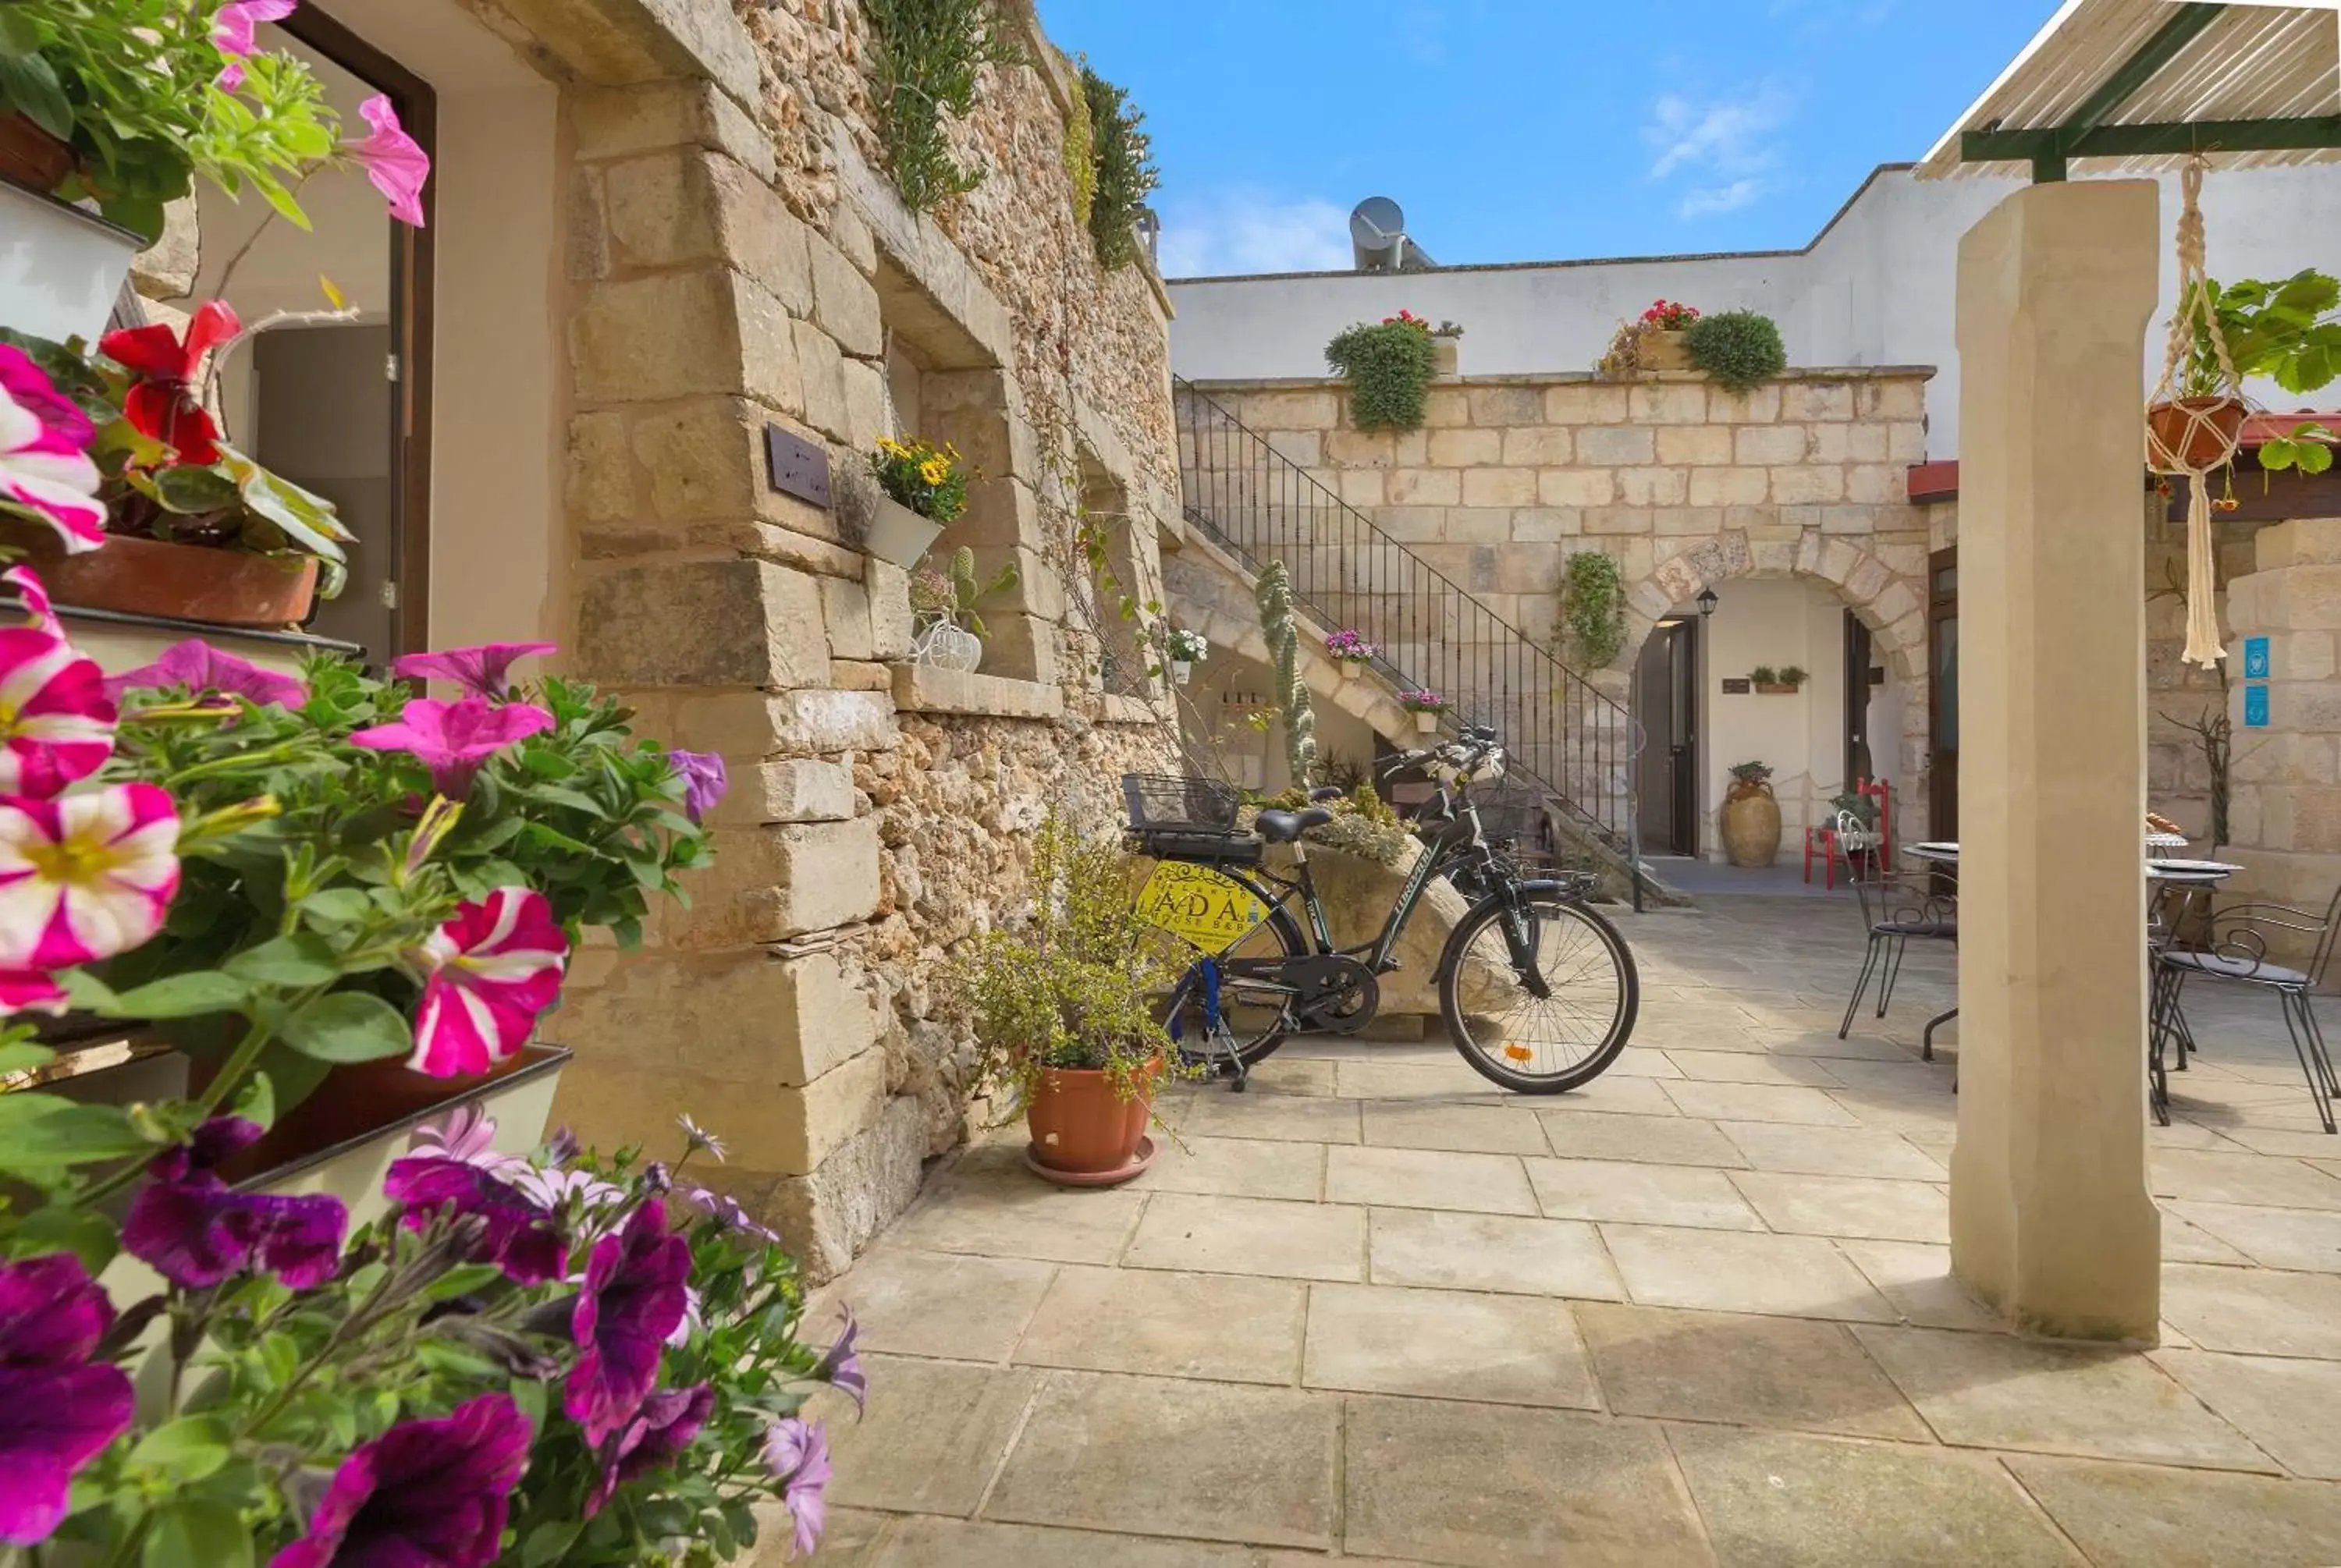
1526, 130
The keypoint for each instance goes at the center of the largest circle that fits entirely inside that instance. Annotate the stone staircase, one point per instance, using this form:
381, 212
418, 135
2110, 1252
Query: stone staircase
1573, 743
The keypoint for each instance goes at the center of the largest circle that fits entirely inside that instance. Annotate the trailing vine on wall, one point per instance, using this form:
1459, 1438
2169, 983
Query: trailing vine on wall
1274, 596
1122, 169
926, 59
1388, 366
1593, 607
1738, 348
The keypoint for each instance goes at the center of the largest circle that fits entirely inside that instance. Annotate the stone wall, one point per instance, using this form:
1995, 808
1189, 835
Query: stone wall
738, 264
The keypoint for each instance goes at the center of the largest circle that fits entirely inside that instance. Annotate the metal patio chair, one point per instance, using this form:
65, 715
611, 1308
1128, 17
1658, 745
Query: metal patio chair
2234, 948
1895, 907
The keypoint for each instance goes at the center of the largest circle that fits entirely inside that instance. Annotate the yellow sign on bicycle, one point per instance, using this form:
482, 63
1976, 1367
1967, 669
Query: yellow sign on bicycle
1212, 911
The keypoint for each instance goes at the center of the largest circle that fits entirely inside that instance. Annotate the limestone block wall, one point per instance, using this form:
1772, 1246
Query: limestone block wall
737, 263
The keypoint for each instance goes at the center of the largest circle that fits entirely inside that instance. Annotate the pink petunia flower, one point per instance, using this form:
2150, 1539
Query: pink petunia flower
39, 613
632, 1297
431, 1493
198, 667
494, 969
453, 738
482, 672
45, 473
30, 991
393, 160
56, 723
61, 1404
84, 877
232, 35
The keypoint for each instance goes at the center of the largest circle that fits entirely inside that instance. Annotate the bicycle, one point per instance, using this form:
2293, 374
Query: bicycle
1539, 991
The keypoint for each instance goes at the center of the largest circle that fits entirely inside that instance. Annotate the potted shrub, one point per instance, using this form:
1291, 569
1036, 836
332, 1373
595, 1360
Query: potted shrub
1664, 340
1425, 706
2288, 332
1737, 348
1446, 348
922, 488
1185, 649
1352, 651
1063, 1008
1782, 682
1751, 817
1389, 365
951, 632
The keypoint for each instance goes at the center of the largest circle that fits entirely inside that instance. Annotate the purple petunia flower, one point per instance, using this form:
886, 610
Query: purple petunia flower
842, 1368
57, 1409
705, 782
198, 667
669, 1422
633, 1299
195, 1230
423, 1492
797, 1453
482, 672
453, 738
520, 1239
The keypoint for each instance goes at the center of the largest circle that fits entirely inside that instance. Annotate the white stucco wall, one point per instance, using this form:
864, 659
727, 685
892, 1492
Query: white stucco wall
1876, 288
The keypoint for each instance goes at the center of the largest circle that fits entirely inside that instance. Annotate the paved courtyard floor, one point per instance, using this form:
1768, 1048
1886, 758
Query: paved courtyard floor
1699, 1313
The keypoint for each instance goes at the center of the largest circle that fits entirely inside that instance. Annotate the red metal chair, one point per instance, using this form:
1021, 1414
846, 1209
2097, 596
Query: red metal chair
1844, 837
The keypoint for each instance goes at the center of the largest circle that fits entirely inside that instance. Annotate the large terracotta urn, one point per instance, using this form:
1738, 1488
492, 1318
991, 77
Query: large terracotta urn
1751, 825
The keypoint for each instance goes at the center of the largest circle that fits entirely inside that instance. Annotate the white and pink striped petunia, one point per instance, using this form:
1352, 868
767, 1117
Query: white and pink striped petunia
45, 473
56, 723
84, 877
494, 969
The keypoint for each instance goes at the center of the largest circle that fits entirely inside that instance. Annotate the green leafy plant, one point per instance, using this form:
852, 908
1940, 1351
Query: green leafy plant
1794, 675
1081, 149
1388, 366
953, 595
1861, 807
1124, 164
1072, 982
2309, 449
1623, 357
1593, 607
1738, 348
927, 58
1765, 675
1274, 597
2288, 332
1749, 778
931, 480
1186, 646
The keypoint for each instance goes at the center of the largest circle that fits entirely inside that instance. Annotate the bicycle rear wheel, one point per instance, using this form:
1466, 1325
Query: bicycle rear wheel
1250, 1002
1548, 1043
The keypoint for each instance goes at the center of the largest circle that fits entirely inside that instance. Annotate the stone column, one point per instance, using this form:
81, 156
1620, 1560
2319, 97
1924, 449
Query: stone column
2285, 813
2051, 1216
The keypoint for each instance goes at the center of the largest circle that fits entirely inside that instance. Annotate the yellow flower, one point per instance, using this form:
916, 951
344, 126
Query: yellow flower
933, 470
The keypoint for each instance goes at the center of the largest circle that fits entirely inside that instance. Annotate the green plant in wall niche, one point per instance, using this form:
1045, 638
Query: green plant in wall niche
1081, 149
1124, 169
1738, 348
1389, 365
1593, 607
1275, 599
1794, 675
927, 56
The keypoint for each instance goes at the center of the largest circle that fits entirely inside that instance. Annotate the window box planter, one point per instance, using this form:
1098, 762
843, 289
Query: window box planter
61, 267
898, 535
1666, 351
1776, 688
182, 583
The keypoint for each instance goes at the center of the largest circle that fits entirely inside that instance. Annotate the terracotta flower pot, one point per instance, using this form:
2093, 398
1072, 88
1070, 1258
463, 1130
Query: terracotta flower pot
1080, 1128
1751, 827
31, 157
1666, 351
182, 583
2176, 440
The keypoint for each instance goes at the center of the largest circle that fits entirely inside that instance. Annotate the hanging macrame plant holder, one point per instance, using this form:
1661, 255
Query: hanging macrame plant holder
2195, 436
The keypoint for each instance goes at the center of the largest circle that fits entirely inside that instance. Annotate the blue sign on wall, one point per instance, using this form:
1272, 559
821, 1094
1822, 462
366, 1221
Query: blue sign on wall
2256, 658
2255, 706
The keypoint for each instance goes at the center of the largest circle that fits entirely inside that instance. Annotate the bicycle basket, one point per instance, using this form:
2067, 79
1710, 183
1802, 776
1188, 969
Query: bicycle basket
1167, 800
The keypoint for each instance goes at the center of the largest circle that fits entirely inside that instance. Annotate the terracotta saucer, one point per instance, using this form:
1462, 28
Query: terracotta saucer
1139, 1161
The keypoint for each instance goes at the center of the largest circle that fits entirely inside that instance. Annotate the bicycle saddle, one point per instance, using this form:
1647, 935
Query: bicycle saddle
1284, 826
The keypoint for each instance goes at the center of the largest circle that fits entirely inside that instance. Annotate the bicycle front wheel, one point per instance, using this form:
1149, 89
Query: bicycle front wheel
1554, 1031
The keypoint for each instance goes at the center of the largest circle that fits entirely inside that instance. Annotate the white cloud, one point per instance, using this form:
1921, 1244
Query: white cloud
1730, 145
1246, 230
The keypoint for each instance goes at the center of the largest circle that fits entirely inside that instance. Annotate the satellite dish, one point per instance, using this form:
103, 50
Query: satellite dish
1378, 235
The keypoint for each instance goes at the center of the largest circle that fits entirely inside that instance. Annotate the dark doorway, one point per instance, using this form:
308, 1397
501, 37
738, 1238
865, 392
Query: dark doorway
1859, 756
1943, 694
1665, 702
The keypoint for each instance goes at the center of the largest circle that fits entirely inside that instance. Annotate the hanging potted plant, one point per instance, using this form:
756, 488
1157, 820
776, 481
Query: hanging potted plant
951, 632
1666, 332
1446, 348
1389, 365
1751, 817
1184, 649
1425, 706
2288, 332
923, 490
1352, 651
1063, 1005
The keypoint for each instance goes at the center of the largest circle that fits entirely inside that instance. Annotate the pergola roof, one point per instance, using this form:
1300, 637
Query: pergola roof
2133, 86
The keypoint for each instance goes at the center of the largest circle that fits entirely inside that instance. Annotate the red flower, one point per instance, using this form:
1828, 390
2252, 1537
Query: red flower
162, 402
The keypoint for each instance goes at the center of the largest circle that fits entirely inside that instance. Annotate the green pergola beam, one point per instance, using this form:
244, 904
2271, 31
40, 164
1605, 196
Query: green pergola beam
2136, 72
2049, 147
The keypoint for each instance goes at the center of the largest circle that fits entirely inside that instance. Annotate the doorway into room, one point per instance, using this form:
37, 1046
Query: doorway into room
1665, 705
1943, 694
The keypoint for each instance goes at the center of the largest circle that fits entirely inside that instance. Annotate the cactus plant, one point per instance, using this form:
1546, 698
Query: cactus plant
953, 596
1275, 597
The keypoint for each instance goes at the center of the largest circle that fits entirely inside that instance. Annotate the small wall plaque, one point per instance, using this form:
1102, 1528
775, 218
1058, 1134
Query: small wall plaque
2256, 658
1736, 686
1877, 675
2255, 706
796, 466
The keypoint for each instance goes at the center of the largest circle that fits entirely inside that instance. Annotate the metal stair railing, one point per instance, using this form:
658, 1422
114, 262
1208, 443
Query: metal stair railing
1576, 743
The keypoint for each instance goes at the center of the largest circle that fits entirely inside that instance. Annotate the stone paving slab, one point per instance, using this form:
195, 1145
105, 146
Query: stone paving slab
2132, 1516
1250, 1236
1499, 1253
1202, 1325
1746, 1371
1622, 1191
1430, 1178
1503, 1349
